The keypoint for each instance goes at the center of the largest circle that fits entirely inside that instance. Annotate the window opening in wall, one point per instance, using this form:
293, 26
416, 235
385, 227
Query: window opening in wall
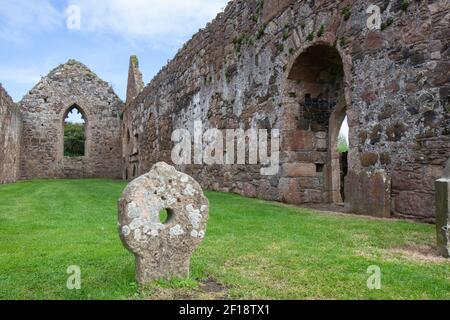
74, 133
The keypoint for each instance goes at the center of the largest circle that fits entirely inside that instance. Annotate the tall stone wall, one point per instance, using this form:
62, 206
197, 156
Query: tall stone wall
10, 136
283, 65
44, 110
135, 86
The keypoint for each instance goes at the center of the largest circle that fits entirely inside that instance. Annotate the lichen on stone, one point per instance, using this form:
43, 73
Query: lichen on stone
162, 249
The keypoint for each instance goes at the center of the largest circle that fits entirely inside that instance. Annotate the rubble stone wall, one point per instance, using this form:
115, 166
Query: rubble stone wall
10, 136
236, 73
44, 110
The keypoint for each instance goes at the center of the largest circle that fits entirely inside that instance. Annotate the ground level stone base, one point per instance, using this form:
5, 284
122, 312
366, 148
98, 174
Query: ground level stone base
368, 193
149, 268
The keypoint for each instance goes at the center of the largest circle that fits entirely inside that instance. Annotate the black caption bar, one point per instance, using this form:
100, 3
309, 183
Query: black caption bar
165, 310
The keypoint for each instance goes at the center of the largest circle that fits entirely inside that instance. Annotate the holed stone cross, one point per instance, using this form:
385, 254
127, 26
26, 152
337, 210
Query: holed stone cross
162, 249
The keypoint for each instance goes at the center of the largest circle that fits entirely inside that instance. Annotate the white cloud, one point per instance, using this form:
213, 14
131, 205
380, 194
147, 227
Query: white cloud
154, 25
148, 18
131, 19
14, 75
19, 19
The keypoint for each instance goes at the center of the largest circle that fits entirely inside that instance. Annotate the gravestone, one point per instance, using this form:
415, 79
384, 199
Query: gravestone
162, 249
443, 212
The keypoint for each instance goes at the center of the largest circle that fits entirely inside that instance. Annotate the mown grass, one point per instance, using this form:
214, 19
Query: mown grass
256, 249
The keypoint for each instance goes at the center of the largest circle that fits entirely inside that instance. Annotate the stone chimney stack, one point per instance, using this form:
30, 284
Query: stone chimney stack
135, 82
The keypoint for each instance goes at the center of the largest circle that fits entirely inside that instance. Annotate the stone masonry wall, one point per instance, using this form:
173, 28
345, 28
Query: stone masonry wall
44, 109
245, 70
10, 135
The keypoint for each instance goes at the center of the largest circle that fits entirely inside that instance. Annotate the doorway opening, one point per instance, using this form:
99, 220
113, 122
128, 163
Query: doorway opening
343, 149
315, 89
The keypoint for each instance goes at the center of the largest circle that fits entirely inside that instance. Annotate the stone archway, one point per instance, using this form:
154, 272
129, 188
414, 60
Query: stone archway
315, 107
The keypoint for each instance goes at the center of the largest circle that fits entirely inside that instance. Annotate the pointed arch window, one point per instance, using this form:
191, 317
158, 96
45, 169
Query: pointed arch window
74, 133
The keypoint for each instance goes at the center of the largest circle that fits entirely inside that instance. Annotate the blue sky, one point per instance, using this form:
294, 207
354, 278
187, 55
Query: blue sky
35, 38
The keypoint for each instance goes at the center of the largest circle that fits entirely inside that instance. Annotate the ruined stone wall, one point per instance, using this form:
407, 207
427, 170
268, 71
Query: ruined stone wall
402, 79
130, 162
44, 109
236, 73
10, 135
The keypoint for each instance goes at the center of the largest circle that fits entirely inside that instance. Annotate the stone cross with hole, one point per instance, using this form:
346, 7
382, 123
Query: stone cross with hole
162, 249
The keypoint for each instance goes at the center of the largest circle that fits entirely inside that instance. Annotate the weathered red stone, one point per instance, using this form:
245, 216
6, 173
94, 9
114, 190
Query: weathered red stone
374, 41
368, 193
299, 170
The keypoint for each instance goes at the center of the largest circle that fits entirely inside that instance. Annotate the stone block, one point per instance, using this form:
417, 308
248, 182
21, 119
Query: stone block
272, 8
368, 193
299, 170
413, 203
310, 183
312, 196
369, 159
321, 145
298, 140
289, 190
374, 41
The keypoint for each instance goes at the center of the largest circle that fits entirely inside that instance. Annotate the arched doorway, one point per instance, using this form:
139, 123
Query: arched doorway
74, 126
317, 108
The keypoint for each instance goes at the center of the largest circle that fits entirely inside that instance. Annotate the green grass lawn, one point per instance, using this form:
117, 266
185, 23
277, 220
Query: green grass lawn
253, 249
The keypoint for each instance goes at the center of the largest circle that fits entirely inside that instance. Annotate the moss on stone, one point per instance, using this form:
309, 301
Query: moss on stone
280, 48
135, 61
387, 24
321, 31
260, 6
260, 32
72, 62
238, 41
405, 5
286, 34
346, 13
228, 75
